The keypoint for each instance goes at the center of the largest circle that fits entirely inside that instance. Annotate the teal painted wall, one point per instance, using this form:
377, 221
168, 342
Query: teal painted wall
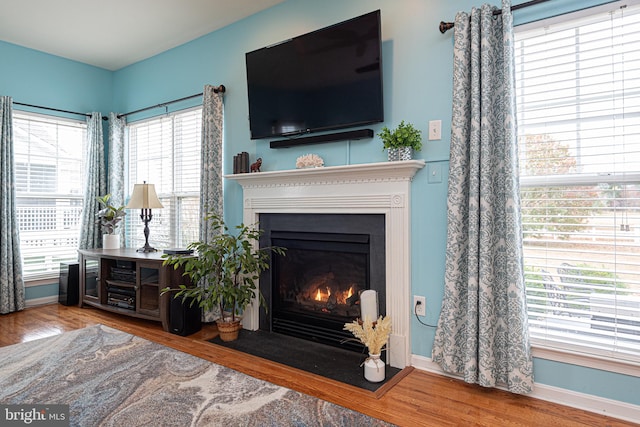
417, 84
33, 77
41, 291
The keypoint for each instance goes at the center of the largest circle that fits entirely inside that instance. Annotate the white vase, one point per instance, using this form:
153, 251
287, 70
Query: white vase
110, 241
374, 368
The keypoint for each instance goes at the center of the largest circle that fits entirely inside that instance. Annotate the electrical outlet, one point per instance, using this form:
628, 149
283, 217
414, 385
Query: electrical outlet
420, 305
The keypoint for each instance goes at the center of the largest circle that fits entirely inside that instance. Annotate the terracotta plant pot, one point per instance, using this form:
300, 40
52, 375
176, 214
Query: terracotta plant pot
229, 330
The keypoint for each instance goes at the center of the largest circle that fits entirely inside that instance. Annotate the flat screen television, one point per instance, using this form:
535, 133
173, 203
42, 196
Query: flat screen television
327, 79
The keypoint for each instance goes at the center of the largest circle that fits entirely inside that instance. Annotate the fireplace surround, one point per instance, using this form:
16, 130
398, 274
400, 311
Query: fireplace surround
313, 290
373, 188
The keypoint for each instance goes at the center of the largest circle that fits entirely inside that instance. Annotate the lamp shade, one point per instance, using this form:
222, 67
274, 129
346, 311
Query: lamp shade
144, 197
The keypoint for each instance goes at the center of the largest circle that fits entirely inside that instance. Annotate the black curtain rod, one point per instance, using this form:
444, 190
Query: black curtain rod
218, 89
446, 26
55, 109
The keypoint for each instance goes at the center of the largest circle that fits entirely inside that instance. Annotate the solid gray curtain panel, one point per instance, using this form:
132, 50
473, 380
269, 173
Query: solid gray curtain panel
482, 332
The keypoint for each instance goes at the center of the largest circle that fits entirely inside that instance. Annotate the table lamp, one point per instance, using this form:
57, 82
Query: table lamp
144, 197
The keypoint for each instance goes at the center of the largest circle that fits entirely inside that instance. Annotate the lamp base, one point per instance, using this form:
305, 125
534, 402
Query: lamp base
146, 248
145, 216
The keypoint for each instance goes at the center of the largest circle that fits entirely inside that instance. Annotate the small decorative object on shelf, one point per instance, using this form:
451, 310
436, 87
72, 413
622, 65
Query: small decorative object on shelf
109, 217
401, 141
241, 163
255, 167
374, 335
369, 304
309, 161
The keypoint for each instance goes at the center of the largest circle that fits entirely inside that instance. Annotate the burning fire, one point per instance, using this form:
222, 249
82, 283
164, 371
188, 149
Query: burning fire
323, 296
341, 297
349, 294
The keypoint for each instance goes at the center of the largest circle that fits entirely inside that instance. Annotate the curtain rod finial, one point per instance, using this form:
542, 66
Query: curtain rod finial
445, 26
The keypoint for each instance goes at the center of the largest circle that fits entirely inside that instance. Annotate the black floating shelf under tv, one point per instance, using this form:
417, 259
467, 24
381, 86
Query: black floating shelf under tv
317, 139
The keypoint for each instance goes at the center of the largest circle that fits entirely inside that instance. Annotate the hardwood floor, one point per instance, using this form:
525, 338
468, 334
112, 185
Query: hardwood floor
419, 399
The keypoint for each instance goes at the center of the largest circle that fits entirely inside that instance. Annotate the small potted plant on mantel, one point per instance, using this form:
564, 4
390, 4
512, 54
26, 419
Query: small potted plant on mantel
401, 141
109, 217
224, 273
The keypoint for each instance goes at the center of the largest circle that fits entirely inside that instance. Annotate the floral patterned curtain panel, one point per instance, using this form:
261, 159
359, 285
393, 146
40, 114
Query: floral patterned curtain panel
11, 281
482, 331
116, 159
116, 162
95, 184
211, 158
211, 168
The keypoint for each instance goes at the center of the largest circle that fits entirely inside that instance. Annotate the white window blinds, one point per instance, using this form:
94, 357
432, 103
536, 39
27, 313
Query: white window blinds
578, 102
165, 151
49, 187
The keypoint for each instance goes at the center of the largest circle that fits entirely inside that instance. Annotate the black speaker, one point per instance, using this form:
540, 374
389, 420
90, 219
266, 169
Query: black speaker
184, 318
317, 139
69, 285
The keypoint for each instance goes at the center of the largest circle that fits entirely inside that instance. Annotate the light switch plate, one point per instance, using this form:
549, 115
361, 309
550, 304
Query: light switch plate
435, 130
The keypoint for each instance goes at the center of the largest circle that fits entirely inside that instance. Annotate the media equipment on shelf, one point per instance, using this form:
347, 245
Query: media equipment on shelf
121, 288
121, 301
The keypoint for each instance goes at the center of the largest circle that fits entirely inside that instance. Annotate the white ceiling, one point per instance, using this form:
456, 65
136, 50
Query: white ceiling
116, 33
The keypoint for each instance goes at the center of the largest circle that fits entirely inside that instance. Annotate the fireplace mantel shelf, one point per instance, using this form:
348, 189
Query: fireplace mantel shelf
384, 171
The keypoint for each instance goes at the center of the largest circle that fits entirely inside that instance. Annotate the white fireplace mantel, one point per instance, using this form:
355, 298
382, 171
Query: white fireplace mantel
379, 188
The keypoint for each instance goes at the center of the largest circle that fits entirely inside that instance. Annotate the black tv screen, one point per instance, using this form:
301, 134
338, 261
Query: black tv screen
327, 79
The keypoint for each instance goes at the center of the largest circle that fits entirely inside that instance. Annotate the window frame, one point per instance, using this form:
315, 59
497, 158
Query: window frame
48, 277
173, 200
575, 354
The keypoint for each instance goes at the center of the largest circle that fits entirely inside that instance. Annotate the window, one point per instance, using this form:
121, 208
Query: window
49, 176
165, 151
578, 101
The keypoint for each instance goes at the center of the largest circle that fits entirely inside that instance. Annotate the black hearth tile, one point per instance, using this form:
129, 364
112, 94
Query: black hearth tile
331, 362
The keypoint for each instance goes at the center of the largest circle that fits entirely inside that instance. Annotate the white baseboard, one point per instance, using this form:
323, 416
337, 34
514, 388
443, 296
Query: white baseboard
600, 405
41, 301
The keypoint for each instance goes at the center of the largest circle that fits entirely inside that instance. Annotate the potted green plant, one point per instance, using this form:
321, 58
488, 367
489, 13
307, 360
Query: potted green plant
401, 141
224, 273
109, 217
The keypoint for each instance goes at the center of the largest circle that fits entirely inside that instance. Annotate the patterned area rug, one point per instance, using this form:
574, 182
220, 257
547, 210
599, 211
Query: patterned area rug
111, 378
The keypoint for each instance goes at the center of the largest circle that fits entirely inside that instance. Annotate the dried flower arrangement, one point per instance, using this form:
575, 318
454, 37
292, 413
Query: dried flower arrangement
309, 161
374, 335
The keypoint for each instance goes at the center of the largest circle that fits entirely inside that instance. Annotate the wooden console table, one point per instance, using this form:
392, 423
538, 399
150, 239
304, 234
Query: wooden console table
128, 282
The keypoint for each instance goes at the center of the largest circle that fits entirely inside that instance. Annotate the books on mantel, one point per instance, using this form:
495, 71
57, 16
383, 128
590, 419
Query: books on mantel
241, 163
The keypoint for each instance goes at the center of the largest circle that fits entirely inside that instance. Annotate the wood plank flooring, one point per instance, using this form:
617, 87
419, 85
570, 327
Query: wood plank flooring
419, 399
